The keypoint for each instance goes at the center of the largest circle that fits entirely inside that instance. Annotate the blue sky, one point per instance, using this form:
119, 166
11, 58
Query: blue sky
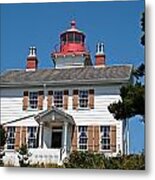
117, 24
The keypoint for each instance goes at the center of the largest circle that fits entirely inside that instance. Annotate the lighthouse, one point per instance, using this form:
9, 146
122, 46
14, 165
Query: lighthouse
72, 50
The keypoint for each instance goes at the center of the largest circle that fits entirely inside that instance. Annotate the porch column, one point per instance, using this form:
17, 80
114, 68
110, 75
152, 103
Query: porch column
41, 126
65, 135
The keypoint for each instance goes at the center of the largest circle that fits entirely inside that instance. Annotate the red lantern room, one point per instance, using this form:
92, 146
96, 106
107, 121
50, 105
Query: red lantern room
72, 50
72, 40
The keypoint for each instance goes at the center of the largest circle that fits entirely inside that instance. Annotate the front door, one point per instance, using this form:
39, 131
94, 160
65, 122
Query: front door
56, 139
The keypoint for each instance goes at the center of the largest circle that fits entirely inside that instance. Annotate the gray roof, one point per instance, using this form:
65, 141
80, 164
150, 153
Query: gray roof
114, 73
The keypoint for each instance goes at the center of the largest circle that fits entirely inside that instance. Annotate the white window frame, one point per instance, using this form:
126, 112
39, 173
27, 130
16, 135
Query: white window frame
105, 138
32, 137
83, 99
33, 102
82, 146
11, 134
59, 100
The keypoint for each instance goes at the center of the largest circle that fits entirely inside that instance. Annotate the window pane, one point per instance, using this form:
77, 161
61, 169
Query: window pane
32, 137
83, 137
33, 100
83, 38
70, 37
58, 99
10, 137
63, 39
77, 37
105, 137
82, 128
83, 99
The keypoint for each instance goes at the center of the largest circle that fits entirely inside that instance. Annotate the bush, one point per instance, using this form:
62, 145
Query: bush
23, 156
88, 160
2, 136
42, 165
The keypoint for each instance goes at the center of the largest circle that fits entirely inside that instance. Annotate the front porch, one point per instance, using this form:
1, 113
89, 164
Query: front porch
55, 134
49, 143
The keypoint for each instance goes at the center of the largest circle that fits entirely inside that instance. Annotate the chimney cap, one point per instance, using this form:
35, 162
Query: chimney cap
32, 51
100, 48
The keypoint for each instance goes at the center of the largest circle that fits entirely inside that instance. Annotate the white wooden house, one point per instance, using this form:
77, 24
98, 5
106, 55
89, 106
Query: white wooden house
59, 110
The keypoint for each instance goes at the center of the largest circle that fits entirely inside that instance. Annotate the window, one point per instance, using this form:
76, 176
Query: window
70, 37
77, 38
33, 100
10, 137
105, 137
82, 137
32, 137
83, 99
58, 99
83, 38
63, 39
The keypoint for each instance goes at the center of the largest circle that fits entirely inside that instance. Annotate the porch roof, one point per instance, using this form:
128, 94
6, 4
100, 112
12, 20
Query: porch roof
54, 115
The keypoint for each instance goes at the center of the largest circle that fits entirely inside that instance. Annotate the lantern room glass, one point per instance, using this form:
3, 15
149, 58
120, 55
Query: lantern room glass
72, 37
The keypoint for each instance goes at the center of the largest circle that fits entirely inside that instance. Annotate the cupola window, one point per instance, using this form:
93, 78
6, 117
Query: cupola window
70, 37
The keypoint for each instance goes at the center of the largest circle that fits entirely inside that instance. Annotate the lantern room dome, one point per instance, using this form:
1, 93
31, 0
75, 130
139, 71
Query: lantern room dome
73, 28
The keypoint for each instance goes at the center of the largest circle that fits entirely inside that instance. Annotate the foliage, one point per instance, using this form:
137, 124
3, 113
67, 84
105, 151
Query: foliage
132, 98
43, 165
1, 163
139, 72
143, 29
86, 160
2, 143
23, 156
89, 160
133, 102
131, 162
133, 95
2, 136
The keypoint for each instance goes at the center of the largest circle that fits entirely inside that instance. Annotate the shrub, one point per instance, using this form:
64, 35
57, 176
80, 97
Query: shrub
23, 156
85, 160
90, 160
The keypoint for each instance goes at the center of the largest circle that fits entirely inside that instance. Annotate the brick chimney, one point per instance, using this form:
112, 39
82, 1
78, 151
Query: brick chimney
100, 55
32, 61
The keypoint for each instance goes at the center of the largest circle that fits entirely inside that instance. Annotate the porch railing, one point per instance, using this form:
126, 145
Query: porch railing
46, 156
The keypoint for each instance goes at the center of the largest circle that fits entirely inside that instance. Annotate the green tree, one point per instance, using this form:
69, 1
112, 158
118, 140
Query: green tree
143, 29
132, 103
2, 136
132, 95
2, 143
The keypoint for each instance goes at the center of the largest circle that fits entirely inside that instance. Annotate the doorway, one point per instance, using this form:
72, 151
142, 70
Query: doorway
57, 139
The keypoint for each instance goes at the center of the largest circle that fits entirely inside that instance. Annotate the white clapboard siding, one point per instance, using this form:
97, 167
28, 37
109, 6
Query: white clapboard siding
12, 108
12, 103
